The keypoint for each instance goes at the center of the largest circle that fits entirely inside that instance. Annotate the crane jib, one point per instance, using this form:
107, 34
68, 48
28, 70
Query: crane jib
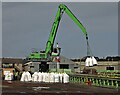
60, 12
49, 46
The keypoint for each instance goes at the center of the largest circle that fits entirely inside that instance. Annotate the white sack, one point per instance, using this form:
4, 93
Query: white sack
6, 76
94, 61
44, 76
40, 77
61, 78
47, 77
29, 76
52, 77
35, 77
9, 76
87, 62
57, 77
26, 76
22, 77
90, 62
65, 78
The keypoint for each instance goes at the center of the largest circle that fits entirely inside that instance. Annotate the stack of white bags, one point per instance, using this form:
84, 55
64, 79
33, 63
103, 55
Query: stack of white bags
46, 77
91, 61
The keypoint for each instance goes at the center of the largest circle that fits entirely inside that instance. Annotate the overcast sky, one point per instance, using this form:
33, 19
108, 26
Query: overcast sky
28, 25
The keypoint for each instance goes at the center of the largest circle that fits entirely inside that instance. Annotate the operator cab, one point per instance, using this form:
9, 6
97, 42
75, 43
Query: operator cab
56, 51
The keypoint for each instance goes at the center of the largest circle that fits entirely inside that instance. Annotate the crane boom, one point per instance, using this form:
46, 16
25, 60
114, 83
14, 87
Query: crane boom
72, 16
50, 42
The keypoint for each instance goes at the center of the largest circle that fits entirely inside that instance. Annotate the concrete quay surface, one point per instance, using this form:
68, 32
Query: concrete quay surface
36, 88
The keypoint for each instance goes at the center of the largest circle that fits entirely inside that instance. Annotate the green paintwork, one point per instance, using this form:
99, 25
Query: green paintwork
53, 32
95, 80
61, 70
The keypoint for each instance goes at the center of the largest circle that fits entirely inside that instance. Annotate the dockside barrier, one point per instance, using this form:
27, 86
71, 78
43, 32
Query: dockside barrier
94, 80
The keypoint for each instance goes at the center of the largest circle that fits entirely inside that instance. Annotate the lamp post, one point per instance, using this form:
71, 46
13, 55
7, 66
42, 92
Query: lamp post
80, 65
108, 64
58, 63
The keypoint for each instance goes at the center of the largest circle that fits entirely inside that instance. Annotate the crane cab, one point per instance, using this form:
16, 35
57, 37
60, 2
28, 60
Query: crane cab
56, 51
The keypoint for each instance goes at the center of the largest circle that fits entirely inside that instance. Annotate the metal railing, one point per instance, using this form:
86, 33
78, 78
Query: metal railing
95, 80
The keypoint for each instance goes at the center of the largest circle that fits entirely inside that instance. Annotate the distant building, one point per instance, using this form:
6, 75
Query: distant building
65, 63
108, 63
12, 64
76, 65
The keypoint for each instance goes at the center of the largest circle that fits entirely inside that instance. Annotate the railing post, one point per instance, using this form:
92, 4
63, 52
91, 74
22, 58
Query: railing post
93, 81
107, 83
104, 84
100, 84
97, 82
116, 82
112, 83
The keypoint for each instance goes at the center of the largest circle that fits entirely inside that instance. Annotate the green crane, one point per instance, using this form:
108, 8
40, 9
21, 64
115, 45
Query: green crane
50, 51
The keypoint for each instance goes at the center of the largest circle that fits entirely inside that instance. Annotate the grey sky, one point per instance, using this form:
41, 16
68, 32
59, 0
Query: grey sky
28, 25
60, 0
0, 30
